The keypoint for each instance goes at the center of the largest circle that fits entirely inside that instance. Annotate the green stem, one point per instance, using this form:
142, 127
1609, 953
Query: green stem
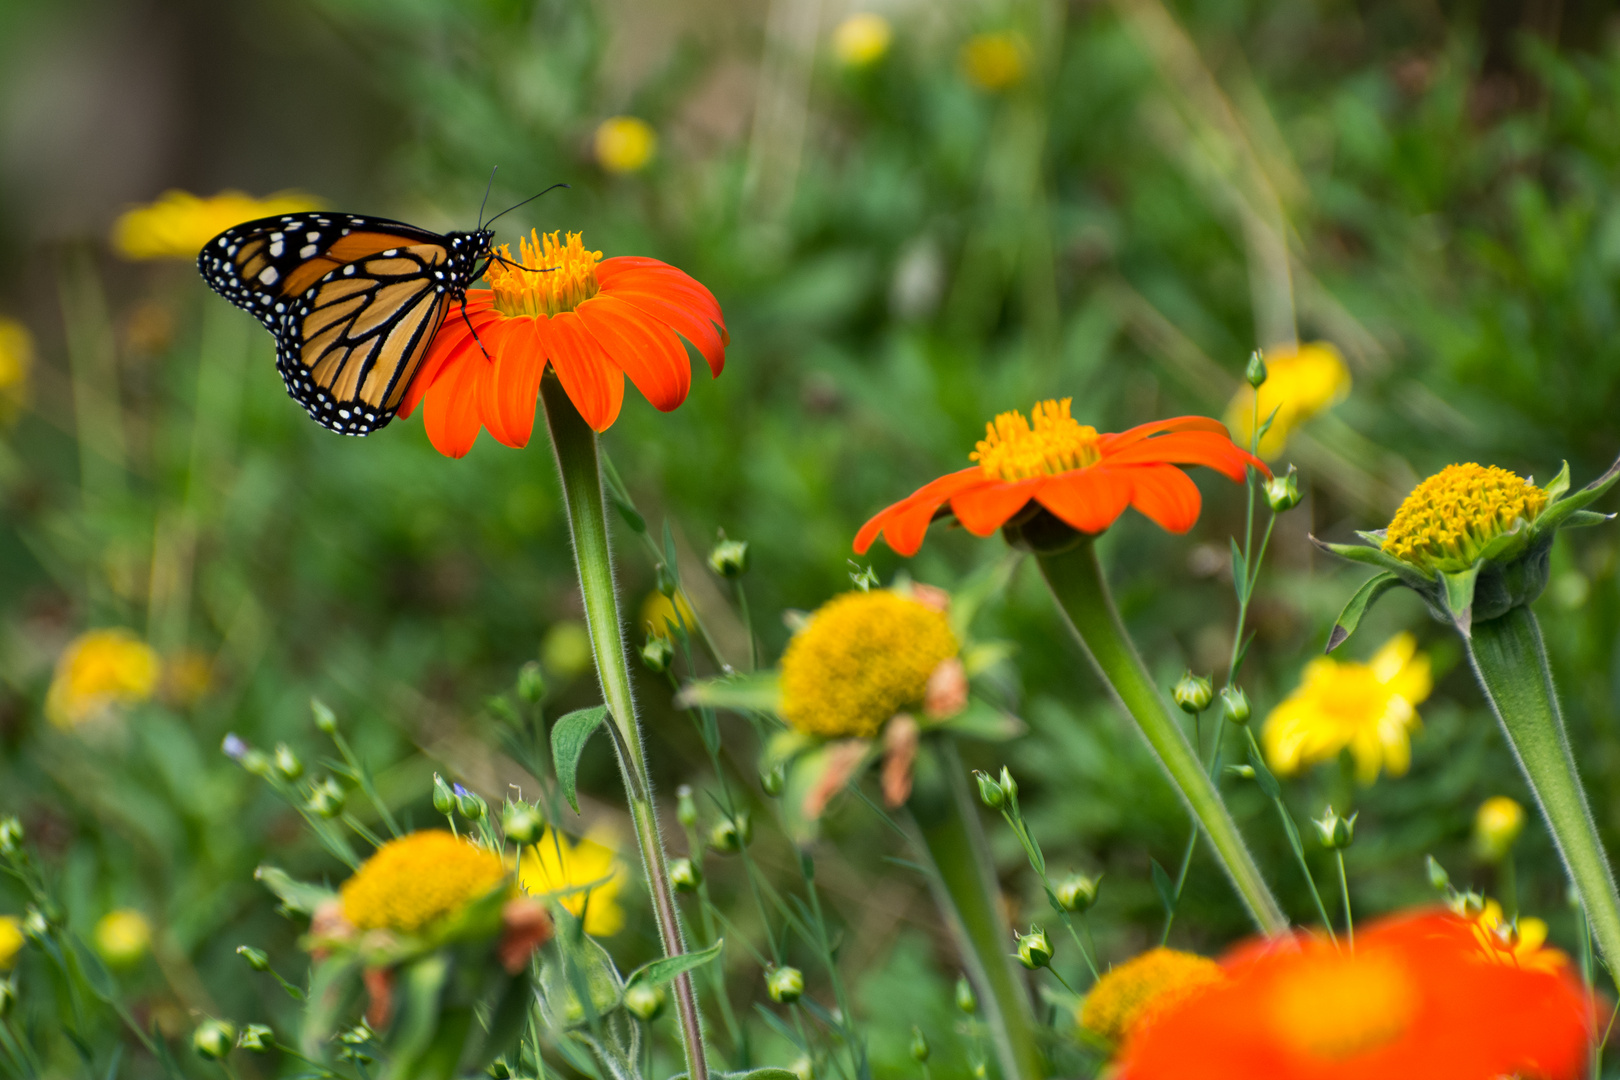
1511, 662
1076, 580
1344, 888
578, 465
965, 880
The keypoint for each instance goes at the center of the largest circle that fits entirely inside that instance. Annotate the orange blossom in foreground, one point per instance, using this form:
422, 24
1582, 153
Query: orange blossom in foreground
593, 320
1084, 478
1418, 998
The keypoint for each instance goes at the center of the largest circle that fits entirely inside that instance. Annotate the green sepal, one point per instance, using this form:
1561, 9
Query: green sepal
568, 738
661, 971
1382, 560
1555, 514
1375, 537
1458, 594
760, 691
981, 720
1558, 484
1359, 603
298, 897
1582, 518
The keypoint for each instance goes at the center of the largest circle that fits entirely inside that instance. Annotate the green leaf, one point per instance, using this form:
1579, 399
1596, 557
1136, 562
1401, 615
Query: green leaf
760, 691
1359, 602
663, 970
621, 497
1371, 556
1582, 518
981, 720
1164, 887
1262, 775
296, 896
507, 1021
1459, 596
1240, 571
1554, 515
418, 988
1558, 485
568, 739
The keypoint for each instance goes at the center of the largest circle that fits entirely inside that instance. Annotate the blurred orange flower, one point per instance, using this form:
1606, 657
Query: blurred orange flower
1417, 998
1084, 478
593, 320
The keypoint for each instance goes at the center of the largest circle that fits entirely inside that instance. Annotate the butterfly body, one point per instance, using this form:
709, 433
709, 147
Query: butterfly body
352, 301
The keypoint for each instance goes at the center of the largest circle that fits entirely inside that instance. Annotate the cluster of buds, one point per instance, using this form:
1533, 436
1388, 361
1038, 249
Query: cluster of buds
448, 798
996, 792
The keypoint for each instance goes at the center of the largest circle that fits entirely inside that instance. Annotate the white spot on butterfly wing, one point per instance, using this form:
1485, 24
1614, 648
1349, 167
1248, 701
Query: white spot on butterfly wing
269, 275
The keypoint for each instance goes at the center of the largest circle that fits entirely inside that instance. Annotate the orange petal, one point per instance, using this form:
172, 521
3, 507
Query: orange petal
1167, 496
1087, 499
693, 326
674, 285
588, 376
904, 523
450, 414
645, 349
1108, 443
1190, 448
508, 392
449, 347
984, 508
611, 269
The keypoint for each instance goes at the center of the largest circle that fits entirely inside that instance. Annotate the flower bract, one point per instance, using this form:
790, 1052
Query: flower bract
178, 224
1132, 992
591, 321
411, 882
1082, 478
585, 878
1370, 708
1300, 383
99, 671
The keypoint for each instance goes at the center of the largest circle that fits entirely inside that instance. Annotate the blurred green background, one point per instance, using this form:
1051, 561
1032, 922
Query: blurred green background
902, 248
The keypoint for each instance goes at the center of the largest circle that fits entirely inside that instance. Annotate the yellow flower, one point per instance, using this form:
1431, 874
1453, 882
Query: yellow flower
101, 670
1522, 943
995, 61
178, 224
16, 361
11, 941
862, 39
625, 144
417, 879
862, 658
566, 648
1142, 986
122, 937
1449, 518
1300, 382
583, 877
658, 613
1370, 708
1497, 825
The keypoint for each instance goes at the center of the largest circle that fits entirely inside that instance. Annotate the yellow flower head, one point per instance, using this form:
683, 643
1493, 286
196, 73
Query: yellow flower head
862, 40
862, 658
1300, 382
994, 62
16, 361
99, 671
417, 879
178, 224
1370, 708
1013, 448
1521, 942
625, 144
552, 273
1497, 825
1143, 986
1449, 518
584, 877
123, 937
11, 941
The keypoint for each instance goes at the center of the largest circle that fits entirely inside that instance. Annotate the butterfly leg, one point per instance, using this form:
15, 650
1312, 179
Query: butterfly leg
474, 330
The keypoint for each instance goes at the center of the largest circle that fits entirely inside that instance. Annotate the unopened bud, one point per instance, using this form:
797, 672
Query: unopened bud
657, 653
1470, 904
1076, 892
1242, 772
685, 808
255, 958
498, 1070
325, 718
732, 834
1497, 825
287, 763
964, 996
213, 1039
469, 805
1255, 373
645, 1001
785, 985
1335, 832
444, 800
11, 836
1009, 786
258, 1038
1235, 705
522, 823
1282, 492
1034, 948
684, 875
531, 682
729, 558
326, 799
774, 779
1438, 878
1193, 693
990, 792
919, 1045
803, 1068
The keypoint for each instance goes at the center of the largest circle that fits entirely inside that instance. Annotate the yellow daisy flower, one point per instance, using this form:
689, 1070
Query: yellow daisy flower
583, 877
625, 144
1522, 944
99, 671
1370, 708
1300, 382
417, 879
179, 223
1142, 986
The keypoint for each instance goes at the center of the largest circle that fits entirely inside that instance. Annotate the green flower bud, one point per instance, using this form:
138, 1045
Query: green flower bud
213, 1039
255, 762
1193, 693
444, 800
256, 958
919, 1045
531, 682
36, 923
684, 875
980, 1071
645, 1001
964, 996
1439, 880
326, 799
731, 835
803, 1068
657, 653
522, 823
729, 558
257, 1038
1235, 705
990, 792
1009, 787
11, 836
499, 1070
1034, 949
325, 718
1255, 373
470, 805
774, 779
667, 581
1242, 772
1470, 904
287, 763
685, 808
785, 985
1076, 892
1335, 832
1282, 492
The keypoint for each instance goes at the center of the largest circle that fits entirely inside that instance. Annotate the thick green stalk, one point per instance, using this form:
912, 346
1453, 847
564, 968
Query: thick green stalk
965, 879
1076, 580
580, 469
1511, 662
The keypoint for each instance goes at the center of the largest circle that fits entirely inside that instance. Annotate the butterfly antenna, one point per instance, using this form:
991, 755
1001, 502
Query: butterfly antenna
486, 196
519, 266
525, 202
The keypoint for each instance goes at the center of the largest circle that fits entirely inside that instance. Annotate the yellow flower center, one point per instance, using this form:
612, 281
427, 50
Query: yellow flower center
1338, 1006
418, 878
864, 656
1015, 449
550, 276
1142, 987
1449, 518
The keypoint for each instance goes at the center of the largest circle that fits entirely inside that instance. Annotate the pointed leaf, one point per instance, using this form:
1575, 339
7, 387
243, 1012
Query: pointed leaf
1459, 596
621, 497
662, 971
297, 896
568, 738
1164, 887
1262, 775
760, 691
753, 1074
1371, 556
670, 562
1582, 518
1240, 571
1359, 602
1558, 485
1554, 515
1375, 537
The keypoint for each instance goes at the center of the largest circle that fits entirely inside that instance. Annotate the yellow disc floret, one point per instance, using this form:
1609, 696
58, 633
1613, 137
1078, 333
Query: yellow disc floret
1449, 518
1015, 449
1339, 1006
1142, 987
864, 656
418, 878
550, 275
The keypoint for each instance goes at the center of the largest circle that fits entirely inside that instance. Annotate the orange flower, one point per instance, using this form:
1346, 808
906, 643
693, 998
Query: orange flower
1085, 479
1416, 998
593, 320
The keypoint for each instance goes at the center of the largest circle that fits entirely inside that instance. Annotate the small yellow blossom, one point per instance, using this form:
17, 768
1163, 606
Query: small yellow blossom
11, 941
1143, 986
178, 224
1370, 708
123, 937
658, 614
1522, 943
565, 650
553, 866
863, 657
1497, 825
99, 671
625, 144
1300, 382
1447, 520
994, 62
16, 362
862, 39
417, 879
